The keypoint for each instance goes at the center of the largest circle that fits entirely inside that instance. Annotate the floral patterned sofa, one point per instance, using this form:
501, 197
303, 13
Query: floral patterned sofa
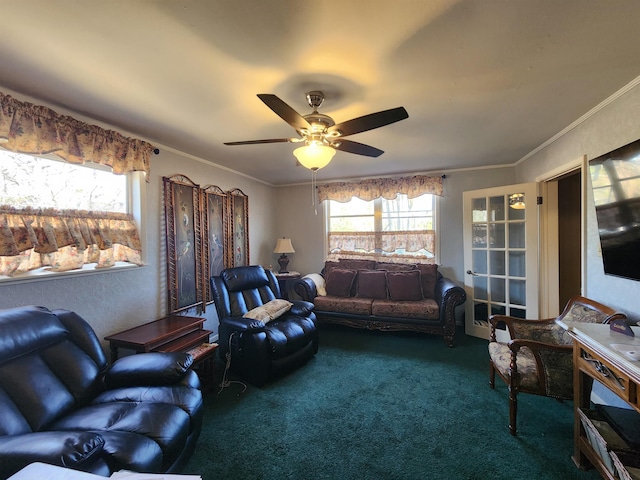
384, 296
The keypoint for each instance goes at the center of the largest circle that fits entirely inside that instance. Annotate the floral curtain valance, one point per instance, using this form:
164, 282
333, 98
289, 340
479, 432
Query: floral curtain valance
65, 239
374, 188
38, 130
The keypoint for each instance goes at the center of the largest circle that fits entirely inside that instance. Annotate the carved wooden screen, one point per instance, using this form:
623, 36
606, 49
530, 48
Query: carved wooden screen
215, 229
184, 242
238, 228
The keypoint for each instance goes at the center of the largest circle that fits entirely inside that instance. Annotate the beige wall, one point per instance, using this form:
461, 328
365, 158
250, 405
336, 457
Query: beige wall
615, 125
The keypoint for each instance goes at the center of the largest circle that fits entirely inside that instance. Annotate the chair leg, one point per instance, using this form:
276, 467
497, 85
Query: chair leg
492, 374
513, 409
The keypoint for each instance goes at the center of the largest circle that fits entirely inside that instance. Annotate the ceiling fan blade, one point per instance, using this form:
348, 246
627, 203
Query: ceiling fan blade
357, 148
268, 140
369, 122
284, 111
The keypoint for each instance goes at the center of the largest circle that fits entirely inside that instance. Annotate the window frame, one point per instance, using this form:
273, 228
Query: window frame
378, 226
136, 206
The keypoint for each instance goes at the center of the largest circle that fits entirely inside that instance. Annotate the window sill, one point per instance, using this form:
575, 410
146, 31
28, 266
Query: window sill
43, 274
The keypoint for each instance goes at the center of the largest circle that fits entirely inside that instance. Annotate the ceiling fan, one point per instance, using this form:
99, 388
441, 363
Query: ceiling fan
321, 135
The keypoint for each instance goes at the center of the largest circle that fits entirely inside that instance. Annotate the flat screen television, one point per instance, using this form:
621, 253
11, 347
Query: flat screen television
615, 180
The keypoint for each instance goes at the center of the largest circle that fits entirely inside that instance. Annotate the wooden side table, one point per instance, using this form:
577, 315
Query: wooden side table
175, 333
284, 280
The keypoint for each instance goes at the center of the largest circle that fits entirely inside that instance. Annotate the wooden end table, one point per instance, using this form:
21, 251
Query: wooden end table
284, 280
174, 333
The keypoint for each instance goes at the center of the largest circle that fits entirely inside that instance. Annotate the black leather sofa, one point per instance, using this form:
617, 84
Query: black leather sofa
261, 351
62, 403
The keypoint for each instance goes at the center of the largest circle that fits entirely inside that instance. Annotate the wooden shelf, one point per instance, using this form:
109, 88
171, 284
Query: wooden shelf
184, 343
596, 358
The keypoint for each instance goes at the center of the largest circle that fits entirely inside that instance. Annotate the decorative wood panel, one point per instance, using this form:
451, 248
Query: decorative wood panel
215, 229
182, 207
238, 228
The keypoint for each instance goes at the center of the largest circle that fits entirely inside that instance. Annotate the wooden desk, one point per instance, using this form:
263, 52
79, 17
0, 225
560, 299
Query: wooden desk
594, 357
175, 333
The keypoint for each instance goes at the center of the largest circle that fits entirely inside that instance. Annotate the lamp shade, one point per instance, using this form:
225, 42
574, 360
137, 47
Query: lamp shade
314, 156
283, 245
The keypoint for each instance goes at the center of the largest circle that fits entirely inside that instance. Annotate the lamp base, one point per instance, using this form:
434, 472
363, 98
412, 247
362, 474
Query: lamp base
283, 261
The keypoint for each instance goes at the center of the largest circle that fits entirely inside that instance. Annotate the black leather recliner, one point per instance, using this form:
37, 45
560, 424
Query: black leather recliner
261, 351
62, 403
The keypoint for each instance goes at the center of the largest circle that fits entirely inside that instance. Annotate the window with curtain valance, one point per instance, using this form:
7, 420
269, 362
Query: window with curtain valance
388, 219
62, 240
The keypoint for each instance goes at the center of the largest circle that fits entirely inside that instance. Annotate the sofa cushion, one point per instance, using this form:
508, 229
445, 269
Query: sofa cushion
167, 425
132, 451
428, 279
340, 281
396, 267
404, 285
425, 309
269, 311
357, 264
372, 284
353, 305
289, 337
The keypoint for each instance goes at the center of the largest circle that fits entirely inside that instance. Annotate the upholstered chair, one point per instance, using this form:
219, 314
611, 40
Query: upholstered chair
261, 335
539, 357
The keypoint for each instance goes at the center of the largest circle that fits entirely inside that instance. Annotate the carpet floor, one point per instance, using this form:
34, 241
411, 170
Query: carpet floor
375, 405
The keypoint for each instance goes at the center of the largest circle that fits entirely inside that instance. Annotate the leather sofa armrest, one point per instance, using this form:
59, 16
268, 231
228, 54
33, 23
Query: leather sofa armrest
302, 308
449, 295
305, 288
242, 324
155, 368
76, 450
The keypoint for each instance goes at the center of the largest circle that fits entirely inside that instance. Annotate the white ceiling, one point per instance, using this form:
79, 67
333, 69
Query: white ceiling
485, 82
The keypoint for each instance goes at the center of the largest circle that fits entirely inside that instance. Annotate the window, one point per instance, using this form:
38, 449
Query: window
27, 181
57, 216
403, 228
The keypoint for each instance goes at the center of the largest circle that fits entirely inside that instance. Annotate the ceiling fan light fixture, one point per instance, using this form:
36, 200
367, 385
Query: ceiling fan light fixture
516, 201
314, 156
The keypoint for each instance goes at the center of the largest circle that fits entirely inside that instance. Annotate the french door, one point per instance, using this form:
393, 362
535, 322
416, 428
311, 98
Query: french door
500, 255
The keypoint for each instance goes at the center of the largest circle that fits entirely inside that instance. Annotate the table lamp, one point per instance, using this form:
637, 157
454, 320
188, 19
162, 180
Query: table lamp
283, 246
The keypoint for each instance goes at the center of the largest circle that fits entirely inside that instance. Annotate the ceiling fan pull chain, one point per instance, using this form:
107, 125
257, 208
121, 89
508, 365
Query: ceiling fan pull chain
313, 190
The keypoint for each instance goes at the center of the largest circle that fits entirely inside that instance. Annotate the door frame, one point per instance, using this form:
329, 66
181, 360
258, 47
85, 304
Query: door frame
548, 252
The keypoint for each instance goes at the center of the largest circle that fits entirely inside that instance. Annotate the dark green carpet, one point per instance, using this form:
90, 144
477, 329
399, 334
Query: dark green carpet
376, 405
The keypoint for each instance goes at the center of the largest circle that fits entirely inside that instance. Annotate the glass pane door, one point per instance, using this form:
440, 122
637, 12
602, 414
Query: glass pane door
500, 230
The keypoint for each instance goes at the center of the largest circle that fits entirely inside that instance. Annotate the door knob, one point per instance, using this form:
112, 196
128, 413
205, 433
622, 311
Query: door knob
472, 273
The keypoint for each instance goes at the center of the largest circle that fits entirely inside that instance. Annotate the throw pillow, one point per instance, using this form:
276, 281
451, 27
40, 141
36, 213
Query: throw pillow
339, 282
372, 284
328, 265
428, 278
404, 285
357, 264
269, 311
396, 267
